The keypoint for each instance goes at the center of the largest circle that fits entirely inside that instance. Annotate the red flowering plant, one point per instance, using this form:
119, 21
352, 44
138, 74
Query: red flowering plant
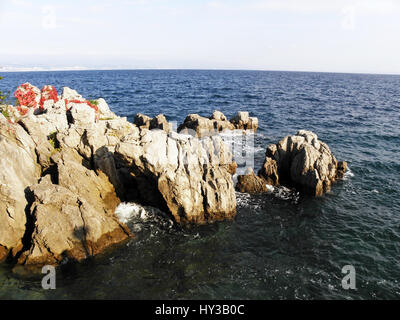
27, 95
48, 93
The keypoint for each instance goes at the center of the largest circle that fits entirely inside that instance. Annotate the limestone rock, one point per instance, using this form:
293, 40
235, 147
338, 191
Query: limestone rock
304, 161
81, 114
104, 109
68, 226
40, 131
19, 170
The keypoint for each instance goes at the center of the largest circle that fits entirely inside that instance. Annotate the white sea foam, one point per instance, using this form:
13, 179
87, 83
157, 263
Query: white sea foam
348, 174
128, 211
270, 188
136, 216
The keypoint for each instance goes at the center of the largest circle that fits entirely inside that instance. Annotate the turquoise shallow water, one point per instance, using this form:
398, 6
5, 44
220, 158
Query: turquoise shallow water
276, 248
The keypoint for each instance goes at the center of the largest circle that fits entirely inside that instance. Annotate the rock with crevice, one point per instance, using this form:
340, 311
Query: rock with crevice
19, 170
67, 226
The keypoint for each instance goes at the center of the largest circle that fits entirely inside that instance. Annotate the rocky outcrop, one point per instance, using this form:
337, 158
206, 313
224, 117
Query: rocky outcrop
303, 161
187, 177
71, 162
199, 126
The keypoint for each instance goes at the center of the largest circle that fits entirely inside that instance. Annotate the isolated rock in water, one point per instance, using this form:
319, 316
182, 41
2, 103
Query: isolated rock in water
66, 225
243, 121
184, 176
304, 161
199, 126
19, 170
251, 183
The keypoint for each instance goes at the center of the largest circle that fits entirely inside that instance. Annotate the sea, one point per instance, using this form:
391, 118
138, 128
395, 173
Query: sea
281, 245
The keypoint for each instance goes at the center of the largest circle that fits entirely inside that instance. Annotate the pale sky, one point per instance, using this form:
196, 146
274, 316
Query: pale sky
298, 35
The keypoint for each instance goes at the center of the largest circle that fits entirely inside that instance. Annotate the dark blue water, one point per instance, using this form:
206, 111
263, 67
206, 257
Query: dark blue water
275, 248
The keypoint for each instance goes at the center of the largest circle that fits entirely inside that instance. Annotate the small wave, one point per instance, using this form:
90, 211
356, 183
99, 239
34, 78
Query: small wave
348, 174
136, 216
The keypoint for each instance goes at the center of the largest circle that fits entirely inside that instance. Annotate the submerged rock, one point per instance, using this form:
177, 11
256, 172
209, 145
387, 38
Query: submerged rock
303, 161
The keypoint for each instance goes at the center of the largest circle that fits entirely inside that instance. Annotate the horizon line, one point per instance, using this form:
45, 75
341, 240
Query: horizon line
77, 69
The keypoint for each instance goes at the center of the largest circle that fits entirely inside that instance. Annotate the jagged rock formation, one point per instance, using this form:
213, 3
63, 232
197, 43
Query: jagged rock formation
201, 126
71, 162
303, 161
